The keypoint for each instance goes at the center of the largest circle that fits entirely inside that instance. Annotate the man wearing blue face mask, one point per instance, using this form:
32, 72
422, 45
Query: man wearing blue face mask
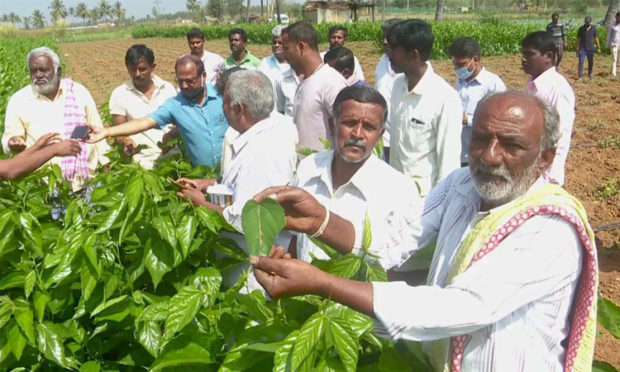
473, 83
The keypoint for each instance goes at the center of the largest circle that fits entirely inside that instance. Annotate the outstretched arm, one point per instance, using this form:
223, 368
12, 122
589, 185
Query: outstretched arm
131, 127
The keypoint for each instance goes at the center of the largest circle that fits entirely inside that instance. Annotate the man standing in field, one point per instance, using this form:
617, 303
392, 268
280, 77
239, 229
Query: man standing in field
613, 42
474, 82
240, 56
212, 61
513, 281
275, 65
587, 37
426, 117
341, 59
337, 38
196, 110
538, 60
52, 104
139, 96
345, 180
319, 85
556, 29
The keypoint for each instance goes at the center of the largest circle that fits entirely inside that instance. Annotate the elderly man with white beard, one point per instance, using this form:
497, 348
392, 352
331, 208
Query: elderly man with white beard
53, 104
512, 285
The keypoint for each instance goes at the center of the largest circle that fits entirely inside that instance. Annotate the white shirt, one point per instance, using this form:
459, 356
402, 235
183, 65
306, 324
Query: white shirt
426, 125
613, 35
128, 101
313, 103
554, 88
514, 303
32, 115
271, 67
285, 88
471, 93
357, 67
384, 82
360, 196
213, 65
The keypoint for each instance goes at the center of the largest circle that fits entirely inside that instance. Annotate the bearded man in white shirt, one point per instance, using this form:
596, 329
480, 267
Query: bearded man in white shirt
139, 96
53, 104
425, 138
538, 60
344, 180
474, 82
512, 285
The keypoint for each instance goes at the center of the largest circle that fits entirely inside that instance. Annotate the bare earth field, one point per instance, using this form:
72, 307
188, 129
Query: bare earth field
594, 158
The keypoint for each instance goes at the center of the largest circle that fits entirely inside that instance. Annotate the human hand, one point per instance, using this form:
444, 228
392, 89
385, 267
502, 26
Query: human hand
96, 134
282, 276
67, 148
130, 147
192, 194
46, 140
197, 183
17, 144
303, 212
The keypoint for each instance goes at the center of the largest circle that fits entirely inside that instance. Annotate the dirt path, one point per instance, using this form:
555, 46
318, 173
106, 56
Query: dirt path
594, 159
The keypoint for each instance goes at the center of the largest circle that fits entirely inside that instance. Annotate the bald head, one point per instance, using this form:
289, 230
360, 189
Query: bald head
190, 60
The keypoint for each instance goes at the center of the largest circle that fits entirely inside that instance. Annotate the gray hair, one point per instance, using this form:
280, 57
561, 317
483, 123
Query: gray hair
277, 31
44, 51
551, 118
253, 90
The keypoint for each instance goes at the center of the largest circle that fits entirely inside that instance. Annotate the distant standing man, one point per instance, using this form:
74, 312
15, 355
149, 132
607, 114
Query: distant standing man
587, 37
341, 59
474, 82
142, 94
557, 31
196, 110
613, 42
538, 54
240, 56
212, 62
275, 65
427, 114
319, 85
337, 38
384, 82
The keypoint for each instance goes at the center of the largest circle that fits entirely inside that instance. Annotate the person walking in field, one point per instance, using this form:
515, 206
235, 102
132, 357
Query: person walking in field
559, 36
212, 61
54, 104
337, 38
538, 56
613, 42
139, 96
587, 38
240, 55
473, 83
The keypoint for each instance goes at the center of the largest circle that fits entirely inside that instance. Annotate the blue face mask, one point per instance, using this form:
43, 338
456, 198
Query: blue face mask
463, 73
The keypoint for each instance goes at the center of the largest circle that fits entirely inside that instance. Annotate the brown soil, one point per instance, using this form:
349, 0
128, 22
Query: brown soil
100, 67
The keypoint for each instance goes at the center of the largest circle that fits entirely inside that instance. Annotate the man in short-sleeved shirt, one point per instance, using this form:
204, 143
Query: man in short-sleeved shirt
240, 56
317, 90
587, 37
196, 110
337, 38
275, 65
212, 61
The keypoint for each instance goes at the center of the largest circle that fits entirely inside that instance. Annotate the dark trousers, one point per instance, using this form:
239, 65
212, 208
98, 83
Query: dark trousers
559, 47
582, 55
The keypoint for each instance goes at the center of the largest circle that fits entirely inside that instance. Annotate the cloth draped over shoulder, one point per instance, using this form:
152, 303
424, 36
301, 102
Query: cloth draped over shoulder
73, 166
447, 354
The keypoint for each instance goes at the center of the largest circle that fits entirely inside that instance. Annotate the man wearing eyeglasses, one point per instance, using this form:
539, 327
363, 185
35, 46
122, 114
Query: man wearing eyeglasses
196, 110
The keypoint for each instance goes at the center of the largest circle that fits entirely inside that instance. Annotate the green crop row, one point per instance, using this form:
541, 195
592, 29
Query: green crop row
13, 70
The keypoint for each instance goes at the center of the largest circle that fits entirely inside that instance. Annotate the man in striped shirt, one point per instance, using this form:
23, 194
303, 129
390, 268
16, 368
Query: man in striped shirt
556, 29
514, 273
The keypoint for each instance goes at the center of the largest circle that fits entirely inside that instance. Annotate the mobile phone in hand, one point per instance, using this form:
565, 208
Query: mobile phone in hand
80, 132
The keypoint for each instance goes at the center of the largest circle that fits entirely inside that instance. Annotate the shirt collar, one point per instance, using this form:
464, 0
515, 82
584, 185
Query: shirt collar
211, 94
541, 79
231, 59
59, 93
364, 179
239, 143
426, 83
482, 78
159, 83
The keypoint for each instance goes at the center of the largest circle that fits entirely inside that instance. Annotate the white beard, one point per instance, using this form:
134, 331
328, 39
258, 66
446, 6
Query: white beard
48, 87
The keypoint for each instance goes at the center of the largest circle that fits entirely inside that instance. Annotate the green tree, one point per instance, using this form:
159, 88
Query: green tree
234, 7
26, 22
215, 9
612, 9
38, 20
118, 11
193, 6
105, 10
59, 11
94, 15
14, 18
82, 11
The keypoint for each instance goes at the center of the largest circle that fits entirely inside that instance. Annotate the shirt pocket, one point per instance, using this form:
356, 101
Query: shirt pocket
417, 132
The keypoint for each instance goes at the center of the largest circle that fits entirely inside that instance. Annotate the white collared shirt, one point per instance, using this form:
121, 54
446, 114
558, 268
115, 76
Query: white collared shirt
213, 65
272, 68
32, 115
426, 122
128, 101
471, 92
553, 87
363, 194
514, 303
358, 72
384, 83
285, 88
313, 103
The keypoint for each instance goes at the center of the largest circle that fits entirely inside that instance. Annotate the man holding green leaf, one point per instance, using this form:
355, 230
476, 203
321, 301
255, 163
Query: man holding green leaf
351, 181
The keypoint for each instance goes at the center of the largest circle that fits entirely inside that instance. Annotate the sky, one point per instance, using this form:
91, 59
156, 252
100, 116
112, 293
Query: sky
136, 8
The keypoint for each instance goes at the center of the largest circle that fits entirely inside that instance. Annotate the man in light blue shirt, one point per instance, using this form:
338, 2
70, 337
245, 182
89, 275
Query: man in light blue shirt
196, 110
473, 83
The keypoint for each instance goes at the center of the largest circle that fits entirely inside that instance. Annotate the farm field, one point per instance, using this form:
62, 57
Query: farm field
593, 168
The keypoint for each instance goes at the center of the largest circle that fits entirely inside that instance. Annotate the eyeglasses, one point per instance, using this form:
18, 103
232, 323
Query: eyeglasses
188, 81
